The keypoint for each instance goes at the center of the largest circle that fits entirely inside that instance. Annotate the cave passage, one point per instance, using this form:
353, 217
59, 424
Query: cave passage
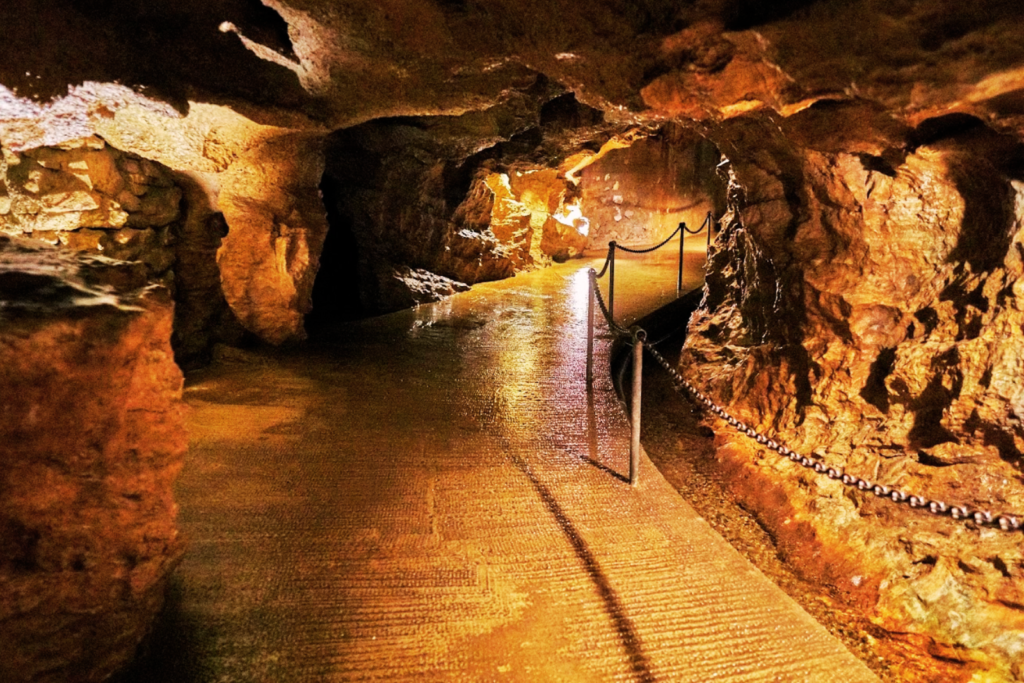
432, 491
413, 221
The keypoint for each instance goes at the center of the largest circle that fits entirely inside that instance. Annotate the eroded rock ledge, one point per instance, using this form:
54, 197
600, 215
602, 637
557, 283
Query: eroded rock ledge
92, 427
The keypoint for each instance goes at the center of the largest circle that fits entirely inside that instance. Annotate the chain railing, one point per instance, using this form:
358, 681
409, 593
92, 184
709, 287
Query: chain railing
982, 518
637, 335
682, 230
1004, 521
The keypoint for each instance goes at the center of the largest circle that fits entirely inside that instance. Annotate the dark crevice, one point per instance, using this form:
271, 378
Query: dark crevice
927, 317
939, 128
565, 111
877, 164
930, 405
336, 291
740, 15
263, 25
874, 391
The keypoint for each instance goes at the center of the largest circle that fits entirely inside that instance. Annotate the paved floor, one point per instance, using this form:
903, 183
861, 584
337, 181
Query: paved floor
434, 495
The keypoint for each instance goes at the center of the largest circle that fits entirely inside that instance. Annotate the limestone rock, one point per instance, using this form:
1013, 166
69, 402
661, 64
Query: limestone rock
92, 428
865, 310
638, 195
85, 184
510, 220
86, 196
401, 287
276, 229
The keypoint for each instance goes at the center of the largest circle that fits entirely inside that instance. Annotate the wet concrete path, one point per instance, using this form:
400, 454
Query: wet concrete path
434, 495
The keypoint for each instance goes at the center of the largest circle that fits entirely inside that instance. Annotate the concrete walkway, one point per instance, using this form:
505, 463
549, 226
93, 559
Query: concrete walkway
435, 496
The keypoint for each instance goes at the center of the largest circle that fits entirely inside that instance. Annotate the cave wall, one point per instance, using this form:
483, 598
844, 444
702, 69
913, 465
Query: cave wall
92, 427
87, 196
638, 195
862, 300
862, 305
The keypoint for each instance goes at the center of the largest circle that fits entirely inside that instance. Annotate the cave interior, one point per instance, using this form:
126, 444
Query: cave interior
194, 185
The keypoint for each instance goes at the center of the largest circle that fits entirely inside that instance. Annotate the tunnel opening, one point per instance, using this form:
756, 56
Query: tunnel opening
337, 295
413, 221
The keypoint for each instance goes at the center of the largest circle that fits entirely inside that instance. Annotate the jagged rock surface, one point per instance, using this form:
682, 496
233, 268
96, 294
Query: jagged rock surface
92, 428
276, 229
867, 284
90, 197
863, 305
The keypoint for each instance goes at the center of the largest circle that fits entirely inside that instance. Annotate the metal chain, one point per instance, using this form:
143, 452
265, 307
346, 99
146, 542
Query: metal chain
656, 247
1006, 522
697, 231
612, 325
682, 226
607, 259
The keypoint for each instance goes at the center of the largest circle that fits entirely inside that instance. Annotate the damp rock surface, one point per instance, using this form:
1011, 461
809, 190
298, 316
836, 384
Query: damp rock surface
92, 434
862, 305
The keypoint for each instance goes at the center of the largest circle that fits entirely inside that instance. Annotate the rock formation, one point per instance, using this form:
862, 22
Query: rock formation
861, 307
640, 194
92, 428
862, 302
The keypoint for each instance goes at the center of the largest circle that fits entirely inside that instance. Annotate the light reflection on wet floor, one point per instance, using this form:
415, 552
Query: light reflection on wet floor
434, 494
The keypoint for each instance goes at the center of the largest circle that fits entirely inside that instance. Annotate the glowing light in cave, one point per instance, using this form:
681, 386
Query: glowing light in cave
572, 215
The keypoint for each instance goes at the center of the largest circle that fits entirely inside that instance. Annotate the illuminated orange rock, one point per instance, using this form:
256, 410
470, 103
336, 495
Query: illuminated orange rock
640, 194
93, 436
276, 229
862, 305
864, 300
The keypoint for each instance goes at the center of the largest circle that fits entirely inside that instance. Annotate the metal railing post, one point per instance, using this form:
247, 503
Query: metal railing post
638, 372
709, 222
682, 249
611, 281
590, 327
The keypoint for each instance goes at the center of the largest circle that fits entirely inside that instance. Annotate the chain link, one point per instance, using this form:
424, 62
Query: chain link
607, 260
697, 231
1006, 522
675, 232
612, 325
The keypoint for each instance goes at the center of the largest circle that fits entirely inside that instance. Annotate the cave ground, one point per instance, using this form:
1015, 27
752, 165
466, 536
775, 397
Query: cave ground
681, 445
431, 493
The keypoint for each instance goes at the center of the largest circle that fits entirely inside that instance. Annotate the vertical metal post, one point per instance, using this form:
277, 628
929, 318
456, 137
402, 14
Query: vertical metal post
611, 281
709, 229
682, 248
590, 327
638, 373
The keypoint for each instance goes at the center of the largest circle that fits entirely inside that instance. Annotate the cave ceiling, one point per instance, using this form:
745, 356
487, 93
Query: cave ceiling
315, 65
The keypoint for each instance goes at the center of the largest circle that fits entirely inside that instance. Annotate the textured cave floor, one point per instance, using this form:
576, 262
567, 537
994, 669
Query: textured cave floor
434, 495
681, 446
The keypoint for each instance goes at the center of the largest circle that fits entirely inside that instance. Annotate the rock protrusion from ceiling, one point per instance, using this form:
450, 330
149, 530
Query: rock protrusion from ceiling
92, 424
276, 223
862, 305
